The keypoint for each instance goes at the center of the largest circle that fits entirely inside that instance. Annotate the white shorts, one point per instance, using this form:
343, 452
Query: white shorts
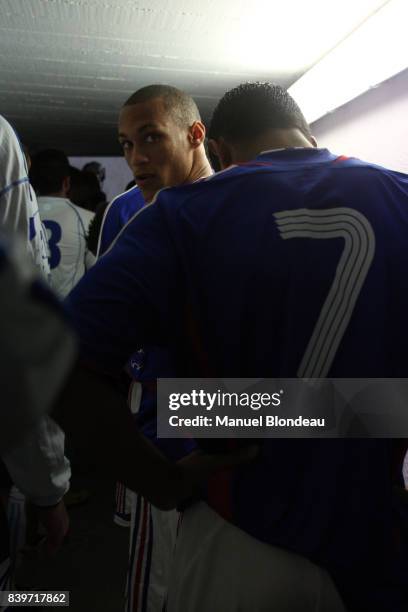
152, 541
219, 568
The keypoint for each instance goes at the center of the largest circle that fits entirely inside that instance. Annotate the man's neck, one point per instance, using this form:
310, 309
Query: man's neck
272, 140
201, 167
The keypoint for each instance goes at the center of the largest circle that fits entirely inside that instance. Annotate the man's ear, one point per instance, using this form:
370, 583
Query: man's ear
222, 151
66, 184
197, 134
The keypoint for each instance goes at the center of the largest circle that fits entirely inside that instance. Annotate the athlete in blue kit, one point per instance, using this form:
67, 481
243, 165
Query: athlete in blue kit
162, 137
290, 262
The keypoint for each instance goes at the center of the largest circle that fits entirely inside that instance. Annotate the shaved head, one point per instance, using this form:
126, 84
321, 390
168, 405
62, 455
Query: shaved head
177, 103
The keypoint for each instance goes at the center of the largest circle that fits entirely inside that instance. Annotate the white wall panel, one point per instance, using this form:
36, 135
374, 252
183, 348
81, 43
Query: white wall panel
373, 127
118, 174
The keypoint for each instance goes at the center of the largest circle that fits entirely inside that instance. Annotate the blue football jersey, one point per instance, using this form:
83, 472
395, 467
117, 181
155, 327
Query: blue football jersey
120, 210
145, 365
291, 265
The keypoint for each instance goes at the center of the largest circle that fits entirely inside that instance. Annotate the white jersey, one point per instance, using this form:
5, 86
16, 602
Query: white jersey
36, 352
18, 204
66, 225
35, 345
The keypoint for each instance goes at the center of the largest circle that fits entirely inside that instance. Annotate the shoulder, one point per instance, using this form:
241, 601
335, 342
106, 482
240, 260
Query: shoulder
49, 205
117, 216
361, 171
86, 215
11, 155
9, 142
5, 127
6, 130
125, 204
176, 198
80, 216
132, 195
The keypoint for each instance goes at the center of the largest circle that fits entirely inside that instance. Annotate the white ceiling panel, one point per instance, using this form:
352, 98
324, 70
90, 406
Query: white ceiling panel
66, 66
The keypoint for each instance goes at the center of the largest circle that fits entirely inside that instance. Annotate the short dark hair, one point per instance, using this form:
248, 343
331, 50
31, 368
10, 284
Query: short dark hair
177, 102
85, 190
48, 170
247, 110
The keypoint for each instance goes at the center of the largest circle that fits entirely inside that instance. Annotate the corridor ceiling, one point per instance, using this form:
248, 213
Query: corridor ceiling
66, 66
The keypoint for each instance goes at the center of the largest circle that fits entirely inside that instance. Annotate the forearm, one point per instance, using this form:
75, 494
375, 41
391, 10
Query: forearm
97, 419
37, 464
100, 424
37, 349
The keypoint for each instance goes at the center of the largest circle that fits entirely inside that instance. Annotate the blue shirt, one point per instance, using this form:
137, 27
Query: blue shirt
145, 365
291, 265
120, 210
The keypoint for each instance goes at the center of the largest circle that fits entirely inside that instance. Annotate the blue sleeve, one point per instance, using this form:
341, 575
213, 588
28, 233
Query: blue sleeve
110, 229
118, 213
130, 297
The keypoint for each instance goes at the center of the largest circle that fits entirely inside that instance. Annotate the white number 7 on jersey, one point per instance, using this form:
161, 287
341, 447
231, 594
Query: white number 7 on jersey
352, 269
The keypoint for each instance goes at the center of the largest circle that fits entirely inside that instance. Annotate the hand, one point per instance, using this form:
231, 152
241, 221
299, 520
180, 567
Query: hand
55, 521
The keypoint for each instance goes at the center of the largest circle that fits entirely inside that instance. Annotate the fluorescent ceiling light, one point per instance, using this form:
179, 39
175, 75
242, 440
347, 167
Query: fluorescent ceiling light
374, 52
280, 37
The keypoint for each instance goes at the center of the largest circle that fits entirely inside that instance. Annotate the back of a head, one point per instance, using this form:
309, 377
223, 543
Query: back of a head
51, 156
85, 190
179, 104
247, 111
97, 169
48, 170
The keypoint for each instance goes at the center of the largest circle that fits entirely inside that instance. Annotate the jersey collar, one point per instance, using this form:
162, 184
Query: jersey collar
297, 154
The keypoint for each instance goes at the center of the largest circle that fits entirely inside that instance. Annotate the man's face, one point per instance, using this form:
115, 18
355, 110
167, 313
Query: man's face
157, 149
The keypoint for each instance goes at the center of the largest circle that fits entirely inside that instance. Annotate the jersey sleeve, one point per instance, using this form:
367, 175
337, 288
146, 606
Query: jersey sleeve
37, 464
37, 348
110, 227
14, 185
130, 297
116, 216
18, 203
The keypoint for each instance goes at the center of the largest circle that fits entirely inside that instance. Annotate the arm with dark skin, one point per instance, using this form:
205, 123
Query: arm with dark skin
96, 417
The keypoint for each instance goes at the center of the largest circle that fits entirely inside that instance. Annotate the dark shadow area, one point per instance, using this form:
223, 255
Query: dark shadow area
92, 563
